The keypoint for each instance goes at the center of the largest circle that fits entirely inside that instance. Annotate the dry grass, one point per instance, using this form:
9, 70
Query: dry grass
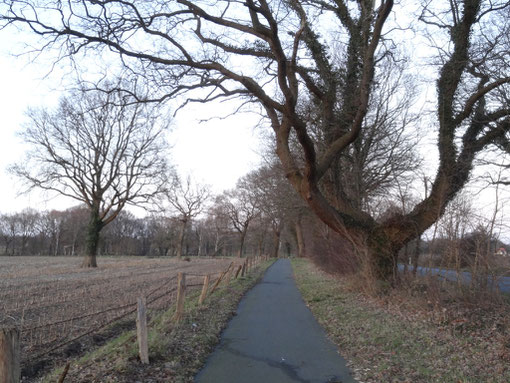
54, 301
426, 332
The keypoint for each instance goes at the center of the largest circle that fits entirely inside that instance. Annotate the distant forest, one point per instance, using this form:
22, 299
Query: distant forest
59, 233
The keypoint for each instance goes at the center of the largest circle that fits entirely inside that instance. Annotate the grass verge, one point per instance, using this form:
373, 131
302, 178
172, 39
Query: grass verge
404, 337
176, 351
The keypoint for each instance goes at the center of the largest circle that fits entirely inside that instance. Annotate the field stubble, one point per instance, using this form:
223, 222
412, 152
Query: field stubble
54, 301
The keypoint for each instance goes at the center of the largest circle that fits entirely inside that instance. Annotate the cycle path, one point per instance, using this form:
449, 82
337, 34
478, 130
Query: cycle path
274, 338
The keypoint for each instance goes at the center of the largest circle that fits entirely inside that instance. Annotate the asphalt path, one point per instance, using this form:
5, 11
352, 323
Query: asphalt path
274, 338
502, 283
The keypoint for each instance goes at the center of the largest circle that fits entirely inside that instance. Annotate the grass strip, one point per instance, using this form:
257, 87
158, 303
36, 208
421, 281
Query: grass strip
176, 351
382, 345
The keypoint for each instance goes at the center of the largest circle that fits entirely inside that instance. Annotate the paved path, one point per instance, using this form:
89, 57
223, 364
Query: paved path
502, 282
274, 338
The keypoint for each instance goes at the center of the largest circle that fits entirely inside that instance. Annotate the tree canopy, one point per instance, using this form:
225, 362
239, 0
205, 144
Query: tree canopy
279, 56
99, 150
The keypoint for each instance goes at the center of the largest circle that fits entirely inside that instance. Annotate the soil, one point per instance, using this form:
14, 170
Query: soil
53, 301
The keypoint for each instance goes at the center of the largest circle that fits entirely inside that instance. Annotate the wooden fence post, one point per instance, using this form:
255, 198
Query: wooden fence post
204, 290
181, 293
141, 331
221, 277
10, 371
217, 282
229, 274
64, 373
238, 270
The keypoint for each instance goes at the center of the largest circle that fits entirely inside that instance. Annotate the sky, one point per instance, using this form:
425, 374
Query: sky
216, 152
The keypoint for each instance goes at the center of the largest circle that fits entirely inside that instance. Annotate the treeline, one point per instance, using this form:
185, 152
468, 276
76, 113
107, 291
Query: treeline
262, 215
259, 216
59, 233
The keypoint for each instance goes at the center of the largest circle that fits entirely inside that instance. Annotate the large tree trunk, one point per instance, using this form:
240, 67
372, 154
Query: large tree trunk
199, 251
380, 259
300, 239
242, 237
260, 247
180, 241
92, 243
57, 244
276, 243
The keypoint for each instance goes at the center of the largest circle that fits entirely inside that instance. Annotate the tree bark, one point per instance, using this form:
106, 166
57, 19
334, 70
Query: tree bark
180, 241
242, 237
199, 251
93, 234
57, 244
300, 239
217, 244
260, 247
276, 243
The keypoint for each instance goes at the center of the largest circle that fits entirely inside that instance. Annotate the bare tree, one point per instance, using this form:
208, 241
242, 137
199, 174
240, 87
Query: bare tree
98, 149
240, 206
277, 54
28, 226
218, 221
75, 227
8, 225
276, 199
52, 227
162, 234
384, 153
188, 199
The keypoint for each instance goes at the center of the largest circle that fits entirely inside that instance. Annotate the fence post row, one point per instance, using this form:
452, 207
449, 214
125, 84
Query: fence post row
10, 371
181, 292
141, 330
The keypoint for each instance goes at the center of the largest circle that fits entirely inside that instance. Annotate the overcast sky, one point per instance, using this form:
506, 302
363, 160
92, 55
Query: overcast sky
216, 152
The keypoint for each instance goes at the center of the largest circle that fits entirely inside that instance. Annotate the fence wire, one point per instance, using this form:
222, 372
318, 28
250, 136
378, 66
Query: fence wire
67, 331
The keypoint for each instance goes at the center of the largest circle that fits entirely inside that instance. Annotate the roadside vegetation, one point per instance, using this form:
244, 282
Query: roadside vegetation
425, 331
176, 351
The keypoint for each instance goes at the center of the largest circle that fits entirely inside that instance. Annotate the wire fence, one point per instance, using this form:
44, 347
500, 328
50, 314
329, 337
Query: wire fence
61, 338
